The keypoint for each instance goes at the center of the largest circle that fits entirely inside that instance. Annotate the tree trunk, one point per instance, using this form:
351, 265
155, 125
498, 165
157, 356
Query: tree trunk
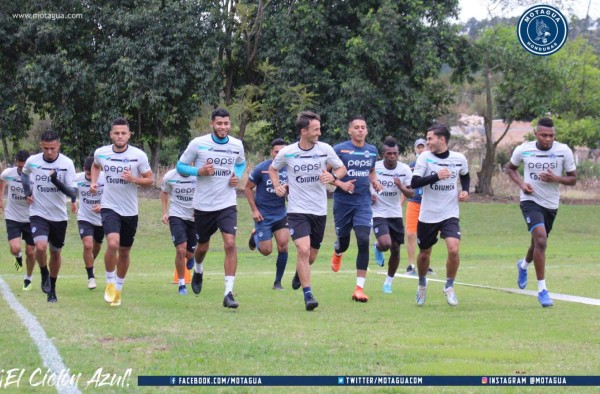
7, 158
155, 149
243, 123
484, 182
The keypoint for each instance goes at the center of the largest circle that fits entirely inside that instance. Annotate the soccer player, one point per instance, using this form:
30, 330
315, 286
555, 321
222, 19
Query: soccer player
352, 201
180, 218
16, 216
544, 162
89, 220
387, 210
437, 171
306, 162
413, 207
125, 167
45, 178
219, 163
269, 213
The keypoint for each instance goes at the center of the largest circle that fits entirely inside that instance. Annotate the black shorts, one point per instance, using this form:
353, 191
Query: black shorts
207, 222
16, 229
87, 229
54, 232
427, 232
183, 231
535, 215
125, 226
392, 226
304, 224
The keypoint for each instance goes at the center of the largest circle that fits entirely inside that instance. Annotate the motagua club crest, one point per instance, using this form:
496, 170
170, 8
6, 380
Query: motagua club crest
542, 30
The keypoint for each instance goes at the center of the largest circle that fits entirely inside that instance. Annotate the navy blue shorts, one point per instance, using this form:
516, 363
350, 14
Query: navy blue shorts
183, 231
535, 215
87, 229
22, 230
125, 226
347, 217
392, 226
266, 228
427, 232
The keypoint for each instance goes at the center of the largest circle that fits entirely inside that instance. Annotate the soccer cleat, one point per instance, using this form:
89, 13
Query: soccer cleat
52, 297
229, 302
421, 295
336, 262
310, 302
109, 292
251, 242
450, 296
182, 290
379, 257
117, 300
522, 278
189, 264
18, 262
197, 283
46, 285
544, 298
359, 295
26, 285
296, 282
430, 271
410, 270
91, 283
387, 289
277, 286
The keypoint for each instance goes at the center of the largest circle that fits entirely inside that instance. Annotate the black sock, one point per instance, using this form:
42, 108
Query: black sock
44, 271
90, 272
53, 283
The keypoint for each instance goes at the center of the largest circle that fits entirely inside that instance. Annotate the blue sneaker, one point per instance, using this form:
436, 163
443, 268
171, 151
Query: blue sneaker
522, 279
544, 299
387, 289
182, 290
190, 263
379, 257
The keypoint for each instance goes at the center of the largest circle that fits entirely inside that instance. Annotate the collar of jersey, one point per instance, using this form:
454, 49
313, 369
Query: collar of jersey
113, 149
220, 140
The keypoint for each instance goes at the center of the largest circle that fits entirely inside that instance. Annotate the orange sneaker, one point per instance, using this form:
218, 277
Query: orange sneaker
336, 262
359, 295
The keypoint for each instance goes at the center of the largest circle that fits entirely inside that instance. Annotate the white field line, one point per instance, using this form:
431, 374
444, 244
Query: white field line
48, 352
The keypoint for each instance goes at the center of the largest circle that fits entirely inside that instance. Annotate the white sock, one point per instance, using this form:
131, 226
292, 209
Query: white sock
525, 263
20, 254
229, 284
388, 280
110, 277
27, 277
360, 282
542, 285
181, 282
119, 283
199, 267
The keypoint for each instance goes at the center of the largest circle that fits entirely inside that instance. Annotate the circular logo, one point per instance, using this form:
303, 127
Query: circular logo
291, 231
125, 161
367, 153
542, 30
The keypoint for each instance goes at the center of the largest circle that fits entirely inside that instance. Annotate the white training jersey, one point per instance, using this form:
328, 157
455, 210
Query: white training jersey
440, 199
387, 204
87, 200
181, 190
213, 193
120, 195
17, 207
49, 202
304, 167
558, 159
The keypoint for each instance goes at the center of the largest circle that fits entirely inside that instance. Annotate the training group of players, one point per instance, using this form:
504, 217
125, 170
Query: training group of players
199, 198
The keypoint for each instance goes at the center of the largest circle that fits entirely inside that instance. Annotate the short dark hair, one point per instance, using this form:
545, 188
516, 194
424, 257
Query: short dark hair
22, 155
545, 122
220, 112
87, 164
440, 130
277, 142
356, 117
120, 121
389, 142
304, 118
49, 136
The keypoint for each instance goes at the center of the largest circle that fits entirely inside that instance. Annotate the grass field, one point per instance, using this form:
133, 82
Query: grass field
158, 332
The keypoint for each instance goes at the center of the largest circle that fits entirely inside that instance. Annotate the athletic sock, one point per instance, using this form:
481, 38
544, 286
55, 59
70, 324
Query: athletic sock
27, 278
360, 282
44, 271
90, 272
388, 280
119, 283
307, 292
336, 247
52, 284
281, 263
199, 267
422, 281
449, 283
229, 284
542, 285
110, 277
524, 264
181, 282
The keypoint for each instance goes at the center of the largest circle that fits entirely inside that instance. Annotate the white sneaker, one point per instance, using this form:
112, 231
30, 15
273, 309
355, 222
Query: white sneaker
451, 296
92, 283
421, 295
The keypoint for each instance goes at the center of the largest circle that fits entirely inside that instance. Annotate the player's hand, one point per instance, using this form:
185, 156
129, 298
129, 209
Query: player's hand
377, 186
74, 208
463, 196
128, 176
96, 208
373, 198
326, 177
444, 173
94, 188
348, 187
527, 188
257, 216
30, 200
548, 176
165, 218
281, 190
206, 170
234, 180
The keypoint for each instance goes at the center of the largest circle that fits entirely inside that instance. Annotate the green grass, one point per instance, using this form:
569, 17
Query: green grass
158, 332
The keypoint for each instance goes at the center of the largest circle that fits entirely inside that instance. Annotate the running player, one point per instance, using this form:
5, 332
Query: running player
437, 171
125, 167
306, 162
219, 164
17, 217
544, 162
269, 213
387, 211
352, 201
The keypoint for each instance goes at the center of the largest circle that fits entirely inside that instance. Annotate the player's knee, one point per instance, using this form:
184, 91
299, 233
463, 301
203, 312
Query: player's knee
265, 250
363, 235
384, 245
540, 241
15, 249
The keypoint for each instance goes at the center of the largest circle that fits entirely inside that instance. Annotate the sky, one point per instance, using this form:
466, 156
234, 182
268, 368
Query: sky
478, 9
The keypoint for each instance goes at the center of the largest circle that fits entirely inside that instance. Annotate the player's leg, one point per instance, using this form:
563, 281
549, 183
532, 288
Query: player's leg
450, 232
263, 235
227, 223
412, 217
111, 224
39, 233
13, 229
282, 236
426, 238
343, 215
362, 234
56, 240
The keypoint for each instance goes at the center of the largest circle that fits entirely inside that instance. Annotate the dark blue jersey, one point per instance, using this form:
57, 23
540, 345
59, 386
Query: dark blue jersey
418, 192
267, 202
358, 162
